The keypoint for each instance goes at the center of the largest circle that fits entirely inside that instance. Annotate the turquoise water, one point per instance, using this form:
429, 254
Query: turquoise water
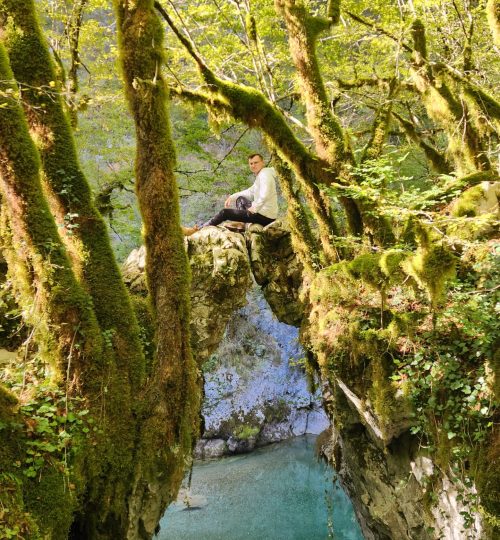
280, 492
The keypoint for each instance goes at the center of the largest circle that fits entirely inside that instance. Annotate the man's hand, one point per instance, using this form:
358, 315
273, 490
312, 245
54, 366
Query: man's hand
227, 204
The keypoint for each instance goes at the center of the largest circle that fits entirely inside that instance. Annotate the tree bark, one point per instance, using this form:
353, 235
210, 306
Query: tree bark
36, 257
73, 30
304, 243
70, 198
171, 400
446, 107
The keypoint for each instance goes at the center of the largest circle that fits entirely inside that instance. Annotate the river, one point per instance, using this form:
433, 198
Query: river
279, 492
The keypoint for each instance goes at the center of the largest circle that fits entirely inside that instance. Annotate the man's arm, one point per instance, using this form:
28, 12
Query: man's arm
248, 193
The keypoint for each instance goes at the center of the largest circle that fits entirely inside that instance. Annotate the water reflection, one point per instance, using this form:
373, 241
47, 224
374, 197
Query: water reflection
279, 492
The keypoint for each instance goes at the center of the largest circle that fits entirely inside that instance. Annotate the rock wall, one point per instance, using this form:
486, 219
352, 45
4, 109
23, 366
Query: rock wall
256, 390
277, 270
396, 489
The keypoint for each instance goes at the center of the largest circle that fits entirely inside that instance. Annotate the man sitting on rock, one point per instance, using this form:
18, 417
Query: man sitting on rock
257, 204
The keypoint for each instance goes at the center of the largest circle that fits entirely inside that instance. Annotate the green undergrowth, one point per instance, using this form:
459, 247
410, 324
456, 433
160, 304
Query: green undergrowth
46, 433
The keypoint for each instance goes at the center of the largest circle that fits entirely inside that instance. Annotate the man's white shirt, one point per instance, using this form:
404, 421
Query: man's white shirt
262, 194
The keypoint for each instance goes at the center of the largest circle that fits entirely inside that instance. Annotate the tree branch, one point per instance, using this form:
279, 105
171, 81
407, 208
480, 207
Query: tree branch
379, 29
436, 158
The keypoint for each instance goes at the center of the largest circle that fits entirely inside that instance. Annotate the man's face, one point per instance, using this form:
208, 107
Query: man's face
256, 164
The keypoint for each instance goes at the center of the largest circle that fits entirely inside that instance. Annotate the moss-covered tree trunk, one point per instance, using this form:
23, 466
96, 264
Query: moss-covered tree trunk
37, 260
170, 401
304, 243
83, 229
448, 106
330, 140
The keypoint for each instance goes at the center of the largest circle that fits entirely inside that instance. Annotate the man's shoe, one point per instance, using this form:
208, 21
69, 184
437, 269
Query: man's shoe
188, 231
235, 226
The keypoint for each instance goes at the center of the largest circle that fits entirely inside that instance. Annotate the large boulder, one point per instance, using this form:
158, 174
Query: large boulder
220, 279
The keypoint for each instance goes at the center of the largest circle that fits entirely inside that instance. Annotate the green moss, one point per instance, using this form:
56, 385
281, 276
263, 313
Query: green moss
390, 263
333, 11
382, 392
419, 40
486, 468
15, 520
431, 268
371, 343
404, 324
245, 432
407, 236
51, 503
378, 269
145, 318
493, 13
251, 27
7, 401
367, 268
467, 203
276, 412
303, 240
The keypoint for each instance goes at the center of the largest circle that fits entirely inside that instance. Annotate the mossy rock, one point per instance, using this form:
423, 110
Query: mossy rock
378, 269
486, 463
245, 432
220, 280
477, 200
277, 270
15, 520
477, 213
367, 268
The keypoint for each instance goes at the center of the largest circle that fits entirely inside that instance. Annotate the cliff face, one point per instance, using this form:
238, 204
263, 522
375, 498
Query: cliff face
387, 363
256, 391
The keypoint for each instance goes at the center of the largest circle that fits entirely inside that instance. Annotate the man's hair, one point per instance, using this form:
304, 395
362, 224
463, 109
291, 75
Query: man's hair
254, 155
